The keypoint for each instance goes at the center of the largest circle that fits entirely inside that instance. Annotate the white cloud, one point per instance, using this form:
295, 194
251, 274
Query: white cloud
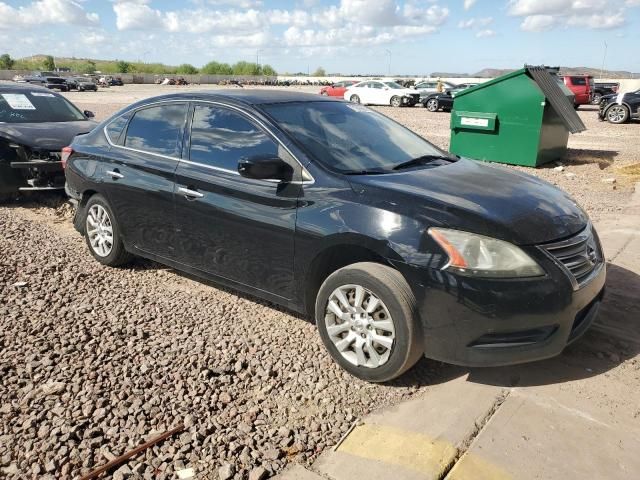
543, 15
43, 12
486, 33
475, 22
538, 23
632, 3
468, 4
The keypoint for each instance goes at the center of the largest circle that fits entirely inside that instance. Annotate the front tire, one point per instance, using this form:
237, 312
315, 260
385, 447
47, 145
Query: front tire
618, 114
354, 99
367, 318
597, 97
432, 105
102, 233
396, 101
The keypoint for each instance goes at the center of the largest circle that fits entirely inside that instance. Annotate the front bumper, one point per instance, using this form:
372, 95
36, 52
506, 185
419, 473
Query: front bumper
482, 322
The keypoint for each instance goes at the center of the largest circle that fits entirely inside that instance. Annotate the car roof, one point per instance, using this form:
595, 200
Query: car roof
242, 96
22, 87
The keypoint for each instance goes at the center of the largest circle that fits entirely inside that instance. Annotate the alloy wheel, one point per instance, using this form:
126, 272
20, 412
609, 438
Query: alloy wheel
99, 230
355, 99
432, 105
396, 101
617, 114
360, 326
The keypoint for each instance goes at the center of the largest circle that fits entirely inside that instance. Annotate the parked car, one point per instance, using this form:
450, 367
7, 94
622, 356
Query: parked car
82, 84
337, 89
395, 247
604, 88
582, 87
438, 101
48, 80
378, 92
620, 108
431, 86
35, 124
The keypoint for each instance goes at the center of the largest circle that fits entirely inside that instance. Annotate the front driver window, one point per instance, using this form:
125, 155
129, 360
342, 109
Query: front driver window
221, 137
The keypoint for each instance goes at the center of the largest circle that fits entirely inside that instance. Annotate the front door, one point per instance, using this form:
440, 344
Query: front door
227, 225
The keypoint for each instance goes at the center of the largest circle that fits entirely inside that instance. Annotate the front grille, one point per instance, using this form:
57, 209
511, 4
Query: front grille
578, 256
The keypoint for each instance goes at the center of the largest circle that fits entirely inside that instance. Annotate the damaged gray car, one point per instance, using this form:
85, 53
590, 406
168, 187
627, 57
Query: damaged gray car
35, 125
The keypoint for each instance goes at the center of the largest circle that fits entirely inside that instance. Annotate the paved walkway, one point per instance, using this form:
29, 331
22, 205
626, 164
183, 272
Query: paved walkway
549, 426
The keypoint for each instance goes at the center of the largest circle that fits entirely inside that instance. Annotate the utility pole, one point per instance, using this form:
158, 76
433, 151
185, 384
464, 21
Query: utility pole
604, 57
389, 62
258, 52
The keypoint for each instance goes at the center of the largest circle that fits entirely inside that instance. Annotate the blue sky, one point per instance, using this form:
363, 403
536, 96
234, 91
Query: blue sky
348, 36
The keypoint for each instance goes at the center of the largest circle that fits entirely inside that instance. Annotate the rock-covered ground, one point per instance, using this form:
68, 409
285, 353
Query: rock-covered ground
95, 360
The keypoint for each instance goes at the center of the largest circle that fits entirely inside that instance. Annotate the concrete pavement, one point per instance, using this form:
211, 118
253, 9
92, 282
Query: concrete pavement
573, 417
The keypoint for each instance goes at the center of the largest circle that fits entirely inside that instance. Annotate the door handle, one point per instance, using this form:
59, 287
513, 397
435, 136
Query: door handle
115, 174
190, 194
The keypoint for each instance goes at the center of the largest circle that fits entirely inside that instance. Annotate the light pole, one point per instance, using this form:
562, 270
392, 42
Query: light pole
258, 52
604, 57
389, 62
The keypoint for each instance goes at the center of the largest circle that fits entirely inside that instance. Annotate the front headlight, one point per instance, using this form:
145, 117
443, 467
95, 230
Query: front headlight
479, 256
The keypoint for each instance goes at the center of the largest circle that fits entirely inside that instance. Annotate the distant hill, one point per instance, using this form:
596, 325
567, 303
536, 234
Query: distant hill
496, 72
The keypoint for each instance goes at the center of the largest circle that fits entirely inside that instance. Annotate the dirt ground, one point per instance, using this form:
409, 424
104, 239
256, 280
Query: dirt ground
93, 360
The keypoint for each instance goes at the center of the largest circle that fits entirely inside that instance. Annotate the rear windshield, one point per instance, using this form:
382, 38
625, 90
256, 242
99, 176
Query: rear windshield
349, 138
36, 107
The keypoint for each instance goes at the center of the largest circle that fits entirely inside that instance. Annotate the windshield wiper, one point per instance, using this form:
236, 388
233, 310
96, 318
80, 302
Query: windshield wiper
421, 161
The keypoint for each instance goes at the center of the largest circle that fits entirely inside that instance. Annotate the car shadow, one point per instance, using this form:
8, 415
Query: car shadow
583, 156
613, 339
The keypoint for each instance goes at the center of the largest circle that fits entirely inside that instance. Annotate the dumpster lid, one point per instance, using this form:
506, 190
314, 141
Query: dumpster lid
557, 98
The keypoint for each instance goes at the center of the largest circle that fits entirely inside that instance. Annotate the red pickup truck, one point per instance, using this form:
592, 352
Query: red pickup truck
582, 87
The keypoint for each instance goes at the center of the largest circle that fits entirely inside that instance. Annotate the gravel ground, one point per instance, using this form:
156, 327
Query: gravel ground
94, 361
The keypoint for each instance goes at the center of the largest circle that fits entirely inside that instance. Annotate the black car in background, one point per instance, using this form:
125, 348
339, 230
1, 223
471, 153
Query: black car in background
396, 248
48, 80
604, 88
35, 124
620, 108
438, 101
82, 84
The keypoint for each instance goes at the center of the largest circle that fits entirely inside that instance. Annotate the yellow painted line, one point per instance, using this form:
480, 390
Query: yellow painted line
399, 447
473, 467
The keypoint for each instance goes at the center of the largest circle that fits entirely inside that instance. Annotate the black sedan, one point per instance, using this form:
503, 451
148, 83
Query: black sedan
620, 108
35, 124
396, 248
438, 101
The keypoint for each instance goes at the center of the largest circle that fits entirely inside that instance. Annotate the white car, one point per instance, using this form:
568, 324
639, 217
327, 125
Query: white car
381, 92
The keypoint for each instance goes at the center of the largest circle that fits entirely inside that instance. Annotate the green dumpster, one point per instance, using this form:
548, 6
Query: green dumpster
522, 118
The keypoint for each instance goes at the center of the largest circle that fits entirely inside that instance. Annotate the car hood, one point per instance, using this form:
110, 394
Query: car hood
47, 135
487, 200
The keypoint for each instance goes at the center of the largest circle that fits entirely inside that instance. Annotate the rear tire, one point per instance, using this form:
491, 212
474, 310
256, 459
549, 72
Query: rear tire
376, 337
617, 114
102, 233
354, 99
597, 97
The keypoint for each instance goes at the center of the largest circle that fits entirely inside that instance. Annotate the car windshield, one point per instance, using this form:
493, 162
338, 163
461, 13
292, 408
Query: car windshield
393, 85
36, 107
349, 138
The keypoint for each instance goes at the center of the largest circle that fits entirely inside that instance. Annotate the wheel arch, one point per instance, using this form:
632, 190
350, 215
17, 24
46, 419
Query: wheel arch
334, 257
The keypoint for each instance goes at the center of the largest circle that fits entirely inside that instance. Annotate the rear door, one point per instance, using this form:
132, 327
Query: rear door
139, 175
234, 227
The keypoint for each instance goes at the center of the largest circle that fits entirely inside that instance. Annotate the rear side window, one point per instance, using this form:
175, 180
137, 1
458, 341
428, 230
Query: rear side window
157, 129
115, 128
580, 81
220, 138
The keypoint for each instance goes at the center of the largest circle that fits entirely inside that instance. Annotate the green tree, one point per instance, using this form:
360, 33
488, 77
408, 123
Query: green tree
6, 62
88, 67
319, 72
49, 63
268, 70
246, 68
123, 67
186, 69
216, 68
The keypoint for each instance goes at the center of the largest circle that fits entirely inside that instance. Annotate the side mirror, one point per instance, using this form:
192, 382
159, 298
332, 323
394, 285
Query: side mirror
88, 114
265, 168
